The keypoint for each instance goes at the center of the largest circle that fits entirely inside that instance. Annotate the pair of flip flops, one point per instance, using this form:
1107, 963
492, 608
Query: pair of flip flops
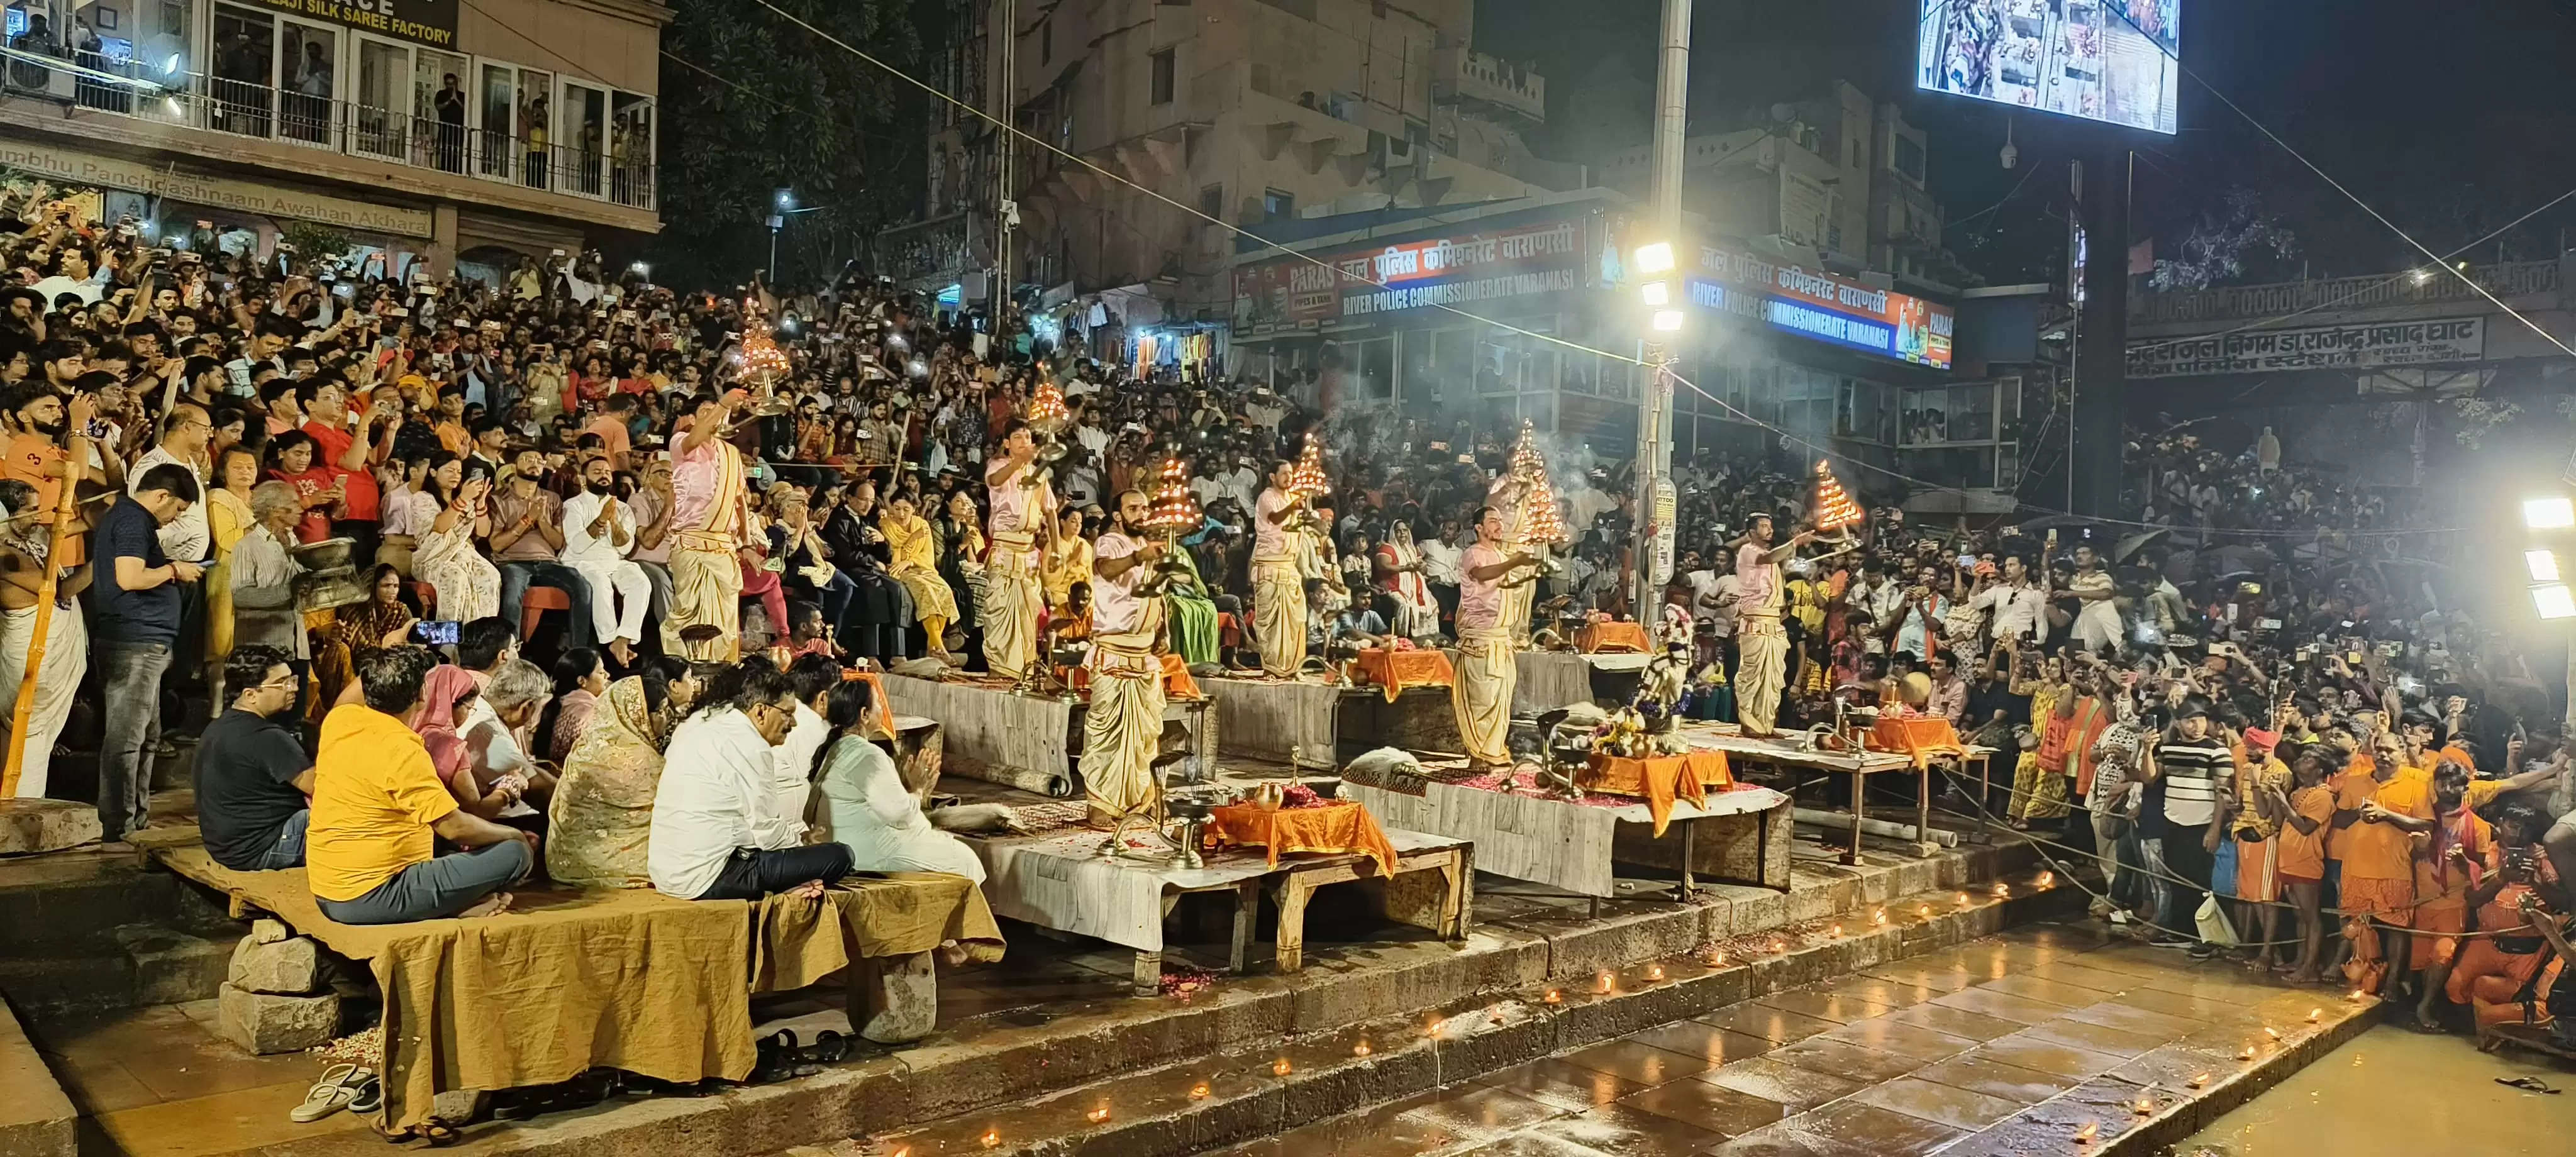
342, 1086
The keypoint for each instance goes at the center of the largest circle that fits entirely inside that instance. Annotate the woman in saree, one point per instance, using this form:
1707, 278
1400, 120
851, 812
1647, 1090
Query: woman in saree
915, 563
228, 518
468, 585
1191, 614
447, 696
601, 816
356, 631
859, 799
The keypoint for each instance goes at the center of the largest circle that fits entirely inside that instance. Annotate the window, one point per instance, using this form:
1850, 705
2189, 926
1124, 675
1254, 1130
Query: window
1212, 201
1909, 158
1046, 41
1276, 204
1162, 76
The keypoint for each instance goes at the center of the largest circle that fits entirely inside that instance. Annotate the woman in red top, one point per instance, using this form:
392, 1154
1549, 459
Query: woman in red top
291, 460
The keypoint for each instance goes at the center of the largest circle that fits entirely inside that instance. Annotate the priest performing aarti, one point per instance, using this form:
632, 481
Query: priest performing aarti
1023, 508
1280, 518
1123, 726
1488, 668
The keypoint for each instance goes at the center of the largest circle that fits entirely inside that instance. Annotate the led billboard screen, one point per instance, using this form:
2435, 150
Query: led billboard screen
2114, 61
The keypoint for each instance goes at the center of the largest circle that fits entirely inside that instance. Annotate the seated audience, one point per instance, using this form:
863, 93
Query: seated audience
601, 817
254, 782
378, 810
864, 805
717, 832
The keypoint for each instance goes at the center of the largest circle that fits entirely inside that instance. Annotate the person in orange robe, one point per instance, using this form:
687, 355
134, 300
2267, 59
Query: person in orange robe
2450, 865
2379, 855
2508, 958
2305, 814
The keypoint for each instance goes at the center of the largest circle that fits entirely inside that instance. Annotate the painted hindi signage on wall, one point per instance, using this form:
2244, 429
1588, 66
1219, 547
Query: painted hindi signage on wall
1460, 270
425, 22
2321, 347
74, 167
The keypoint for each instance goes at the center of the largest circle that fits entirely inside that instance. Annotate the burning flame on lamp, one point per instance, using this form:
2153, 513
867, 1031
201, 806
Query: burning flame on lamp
1655, 972
2315, 1015
2088, 1132
2199, 1079
992, 1137
1925, 911
1779, 946
2246, 1054
1100, 1114
2271, 1032
1199, 1091
1361, 1049
1605, 982
1878, 917
1963, 899
2002, 889
2046, 880
2354, 996
1554, 997
2145, 1106
1836, 931
1281, 1067
1433, 1028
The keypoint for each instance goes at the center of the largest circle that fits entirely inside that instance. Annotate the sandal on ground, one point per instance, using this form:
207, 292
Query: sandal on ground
438, 1134
371, 1094
829, 1048
2528, 1084
337, 1087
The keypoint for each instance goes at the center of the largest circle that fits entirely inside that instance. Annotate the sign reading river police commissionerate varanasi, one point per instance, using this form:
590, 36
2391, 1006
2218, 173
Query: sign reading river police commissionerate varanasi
2325, 347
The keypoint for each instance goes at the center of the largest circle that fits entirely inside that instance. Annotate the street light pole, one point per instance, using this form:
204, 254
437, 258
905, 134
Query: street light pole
1652, 551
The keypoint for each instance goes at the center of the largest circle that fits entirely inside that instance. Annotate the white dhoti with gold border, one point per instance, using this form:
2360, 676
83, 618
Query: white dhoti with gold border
1762, 653
1279, 615
1013, 596
1122, 729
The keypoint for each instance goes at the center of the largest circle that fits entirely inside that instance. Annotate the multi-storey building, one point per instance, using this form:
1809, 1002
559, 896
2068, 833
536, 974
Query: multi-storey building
438, 130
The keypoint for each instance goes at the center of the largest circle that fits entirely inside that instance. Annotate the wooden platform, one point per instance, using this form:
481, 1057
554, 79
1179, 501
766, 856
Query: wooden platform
1030, 742
1785, 751
1318, 726
1741, 836
1058, 881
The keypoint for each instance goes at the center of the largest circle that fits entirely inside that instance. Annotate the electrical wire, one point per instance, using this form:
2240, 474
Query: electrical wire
2355, 198
1550, 339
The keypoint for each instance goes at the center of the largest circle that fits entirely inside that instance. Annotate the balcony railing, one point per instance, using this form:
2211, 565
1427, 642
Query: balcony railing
619, 170
2377, 291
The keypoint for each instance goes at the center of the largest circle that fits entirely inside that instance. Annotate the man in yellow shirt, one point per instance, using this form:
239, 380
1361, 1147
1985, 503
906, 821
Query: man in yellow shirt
377, 801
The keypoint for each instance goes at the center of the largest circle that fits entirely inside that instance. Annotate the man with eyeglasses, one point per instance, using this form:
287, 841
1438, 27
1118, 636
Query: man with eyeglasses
254, 781
183, 443
722, 829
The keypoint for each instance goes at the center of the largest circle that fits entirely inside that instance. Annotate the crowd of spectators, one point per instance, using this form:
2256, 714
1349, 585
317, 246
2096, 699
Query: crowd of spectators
300, 481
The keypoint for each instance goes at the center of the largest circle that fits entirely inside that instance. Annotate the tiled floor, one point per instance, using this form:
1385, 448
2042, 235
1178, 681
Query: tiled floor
2012, 1044
157, 1082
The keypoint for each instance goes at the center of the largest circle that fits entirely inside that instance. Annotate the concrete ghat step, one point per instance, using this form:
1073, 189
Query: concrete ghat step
1248, 1093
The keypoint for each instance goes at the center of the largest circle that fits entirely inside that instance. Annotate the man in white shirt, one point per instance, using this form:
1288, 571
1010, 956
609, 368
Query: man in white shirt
599, 532
183, 441
1242, 484
814, 677
718, 833
2015, 605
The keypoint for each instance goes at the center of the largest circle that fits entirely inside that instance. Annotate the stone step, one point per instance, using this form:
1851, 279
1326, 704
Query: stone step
67, 898
1248, 1093
125, 967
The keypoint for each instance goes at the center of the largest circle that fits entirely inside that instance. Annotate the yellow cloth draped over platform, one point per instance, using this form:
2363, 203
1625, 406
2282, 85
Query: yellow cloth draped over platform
1279, 615
1487, 670
1122, 729
1013, 596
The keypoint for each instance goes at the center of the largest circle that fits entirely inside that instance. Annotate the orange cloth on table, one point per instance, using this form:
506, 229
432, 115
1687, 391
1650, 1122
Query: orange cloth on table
1177, 683
876, 695
1661, 779
1344, 826
1396, 670
1919, 737
1601, 637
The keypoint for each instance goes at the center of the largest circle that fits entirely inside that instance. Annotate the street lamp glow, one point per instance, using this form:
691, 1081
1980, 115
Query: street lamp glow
2553, 513
1668, 320
1658, 293
2554, 601
2543, 564
1655, 258
787, 198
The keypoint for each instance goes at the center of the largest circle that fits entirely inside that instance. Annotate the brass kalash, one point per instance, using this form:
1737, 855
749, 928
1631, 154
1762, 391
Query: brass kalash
1175, 818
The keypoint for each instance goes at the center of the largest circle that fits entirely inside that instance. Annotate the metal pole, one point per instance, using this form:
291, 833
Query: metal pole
1655, 408
1004, 97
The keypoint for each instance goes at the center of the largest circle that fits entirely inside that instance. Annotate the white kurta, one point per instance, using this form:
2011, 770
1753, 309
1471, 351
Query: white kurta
57, 685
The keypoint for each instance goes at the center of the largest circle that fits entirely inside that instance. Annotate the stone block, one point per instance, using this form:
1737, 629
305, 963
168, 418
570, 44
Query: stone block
288, 967
267, 931
263, 1023
172, 966
45, 825
895, 1000
36, 1119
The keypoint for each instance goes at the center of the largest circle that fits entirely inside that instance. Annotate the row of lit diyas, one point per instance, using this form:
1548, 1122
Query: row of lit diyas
1606, 983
